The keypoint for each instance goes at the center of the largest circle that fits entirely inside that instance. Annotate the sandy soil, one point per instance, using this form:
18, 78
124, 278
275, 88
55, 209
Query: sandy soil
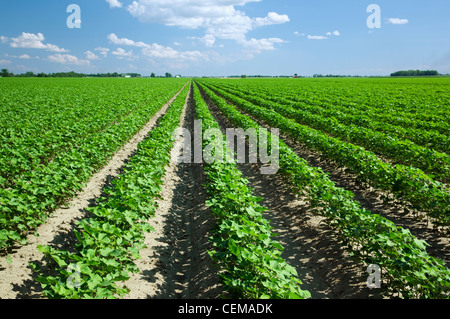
175, 263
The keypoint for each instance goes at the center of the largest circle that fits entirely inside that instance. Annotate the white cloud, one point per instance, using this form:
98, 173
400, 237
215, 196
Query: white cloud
2, 62
122, 54
124, 41
114, 3
153, 50
67, 59
103, 51
335, 33
24, 56
163, 52
3, 39
323, 37
397, 21
256, 46
208, 40
91, 55
272, 18
33, 41
317, 37
220, 19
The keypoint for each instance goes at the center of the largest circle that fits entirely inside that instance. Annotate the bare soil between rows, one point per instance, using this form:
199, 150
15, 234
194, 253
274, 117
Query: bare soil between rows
175, 264
375, 200
313, 248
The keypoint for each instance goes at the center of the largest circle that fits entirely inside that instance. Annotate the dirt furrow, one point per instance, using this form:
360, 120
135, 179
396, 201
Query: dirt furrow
310, 246
375, 200
175, 264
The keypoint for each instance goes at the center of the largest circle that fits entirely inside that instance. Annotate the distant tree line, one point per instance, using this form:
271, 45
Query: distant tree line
5, 73
334, 76
415, 73
244, 76
114, 75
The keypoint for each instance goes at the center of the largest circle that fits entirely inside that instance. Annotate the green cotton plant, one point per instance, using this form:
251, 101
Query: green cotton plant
109, 242
360, 116
48, 157
402, 151
416, 106
407, 183
407, 267
250, 262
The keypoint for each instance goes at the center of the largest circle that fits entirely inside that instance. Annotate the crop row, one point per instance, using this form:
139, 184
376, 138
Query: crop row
37, 123
38, 192
250, 262
109, 242
360, 117
401, 151
406, 266
421, 105
407, 183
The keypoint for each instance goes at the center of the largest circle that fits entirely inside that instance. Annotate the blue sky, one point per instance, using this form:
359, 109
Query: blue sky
225, 37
